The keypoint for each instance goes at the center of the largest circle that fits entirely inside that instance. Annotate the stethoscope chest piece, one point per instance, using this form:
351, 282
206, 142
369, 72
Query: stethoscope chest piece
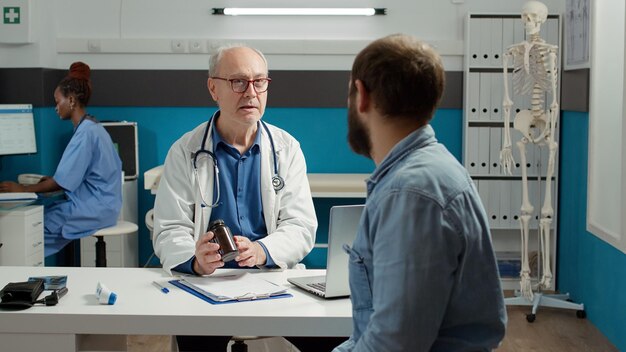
278, 183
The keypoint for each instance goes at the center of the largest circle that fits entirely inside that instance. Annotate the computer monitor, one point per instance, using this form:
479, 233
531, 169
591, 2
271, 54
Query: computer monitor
17, 129
124, 137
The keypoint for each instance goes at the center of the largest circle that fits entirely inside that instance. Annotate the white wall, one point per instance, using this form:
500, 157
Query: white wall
139, 33
606, 191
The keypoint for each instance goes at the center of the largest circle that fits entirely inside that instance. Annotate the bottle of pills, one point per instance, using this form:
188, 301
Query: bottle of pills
223, 237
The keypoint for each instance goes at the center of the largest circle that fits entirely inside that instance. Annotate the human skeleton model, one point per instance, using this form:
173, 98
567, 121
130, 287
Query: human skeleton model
534, 74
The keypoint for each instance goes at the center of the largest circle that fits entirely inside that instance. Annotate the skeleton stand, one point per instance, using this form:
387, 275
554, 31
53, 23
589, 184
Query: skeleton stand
534, 73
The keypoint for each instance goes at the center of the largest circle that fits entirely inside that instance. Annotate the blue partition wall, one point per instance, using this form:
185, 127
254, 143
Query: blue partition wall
321, 132
593, 271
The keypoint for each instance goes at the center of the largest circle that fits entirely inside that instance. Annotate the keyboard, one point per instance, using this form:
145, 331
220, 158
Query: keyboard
318, 286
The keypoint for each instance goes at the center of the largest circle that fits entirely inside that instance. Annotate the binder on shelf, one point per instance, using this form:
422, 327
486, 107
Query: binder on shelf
485, 42
508, 25
471, 161
535, 197
483, 150
516, 203
496, 42
497, 84
474, 48
473, 96
230, 288
495, 144
531, 162
483, 192
494, 203
484, 113
516, 169
505, 203
519, 34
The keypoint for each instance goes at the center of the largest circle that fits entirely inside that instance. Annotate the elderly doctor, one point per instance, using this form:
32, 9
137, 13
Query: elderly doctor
237, 168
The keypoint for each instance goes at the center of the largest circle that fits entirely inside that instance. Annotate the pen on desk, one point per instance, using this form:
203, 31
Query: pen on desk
161, 287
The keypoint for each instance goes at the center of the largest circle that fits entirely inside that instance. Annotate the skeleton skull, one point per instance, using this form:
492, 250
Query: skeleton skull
534, 13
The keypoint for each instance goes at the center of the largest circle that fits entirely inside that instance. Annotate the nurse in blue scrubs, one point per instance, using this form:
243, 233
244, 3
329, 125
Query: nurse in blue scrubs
89, 173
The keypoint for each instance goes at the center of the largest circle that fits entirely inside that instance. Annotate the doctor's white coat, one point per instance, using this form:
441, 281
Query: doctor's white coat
180, 218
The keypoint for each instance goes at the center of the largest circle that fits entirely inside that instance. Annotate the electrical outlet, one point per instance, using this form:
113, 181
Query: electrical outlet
212, 45
196, 46
93, 45
178, 45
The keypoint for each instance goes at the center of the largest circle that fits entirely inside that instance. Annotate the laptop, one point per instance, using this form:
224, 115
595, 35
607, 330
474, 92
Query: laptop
344, 223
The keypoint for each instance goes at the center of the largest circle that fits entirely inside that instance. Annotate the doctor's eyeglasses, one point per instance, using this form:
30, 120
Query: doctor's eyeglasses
240, 85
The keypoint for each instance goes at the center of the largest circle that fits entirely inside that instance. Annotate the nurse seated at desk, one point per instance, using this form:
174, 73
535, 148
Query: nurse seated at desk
90, 170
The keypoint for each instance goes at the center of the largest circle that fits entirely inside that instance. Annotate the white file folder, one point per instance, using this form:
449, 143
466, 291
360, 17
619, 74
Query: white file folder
516, 203
508, 32
474, 50
473, 96
495, 144
485, 96
496, 42
483, 192
534, 195
494, 203
516, 169
471, 160
483, 150
485, 42
519, 34
497, 91
505, 203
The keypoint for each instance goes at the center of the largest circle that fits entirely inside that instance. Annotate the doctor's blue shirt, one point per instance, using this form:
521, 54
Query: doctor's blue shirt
240, 204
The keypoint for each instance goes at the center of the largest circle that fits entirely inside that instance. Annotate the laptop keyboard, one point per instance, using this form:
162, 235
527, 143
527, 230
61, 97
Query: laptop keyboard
318, 286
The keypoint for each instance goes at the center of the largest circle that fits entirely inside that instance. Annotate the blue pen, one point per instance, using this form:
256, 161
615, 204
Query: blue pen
161, 287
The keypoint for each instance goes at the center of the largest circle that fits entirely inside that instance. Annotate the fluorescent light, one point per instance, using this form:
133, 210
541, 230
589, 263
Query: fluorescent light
279, 11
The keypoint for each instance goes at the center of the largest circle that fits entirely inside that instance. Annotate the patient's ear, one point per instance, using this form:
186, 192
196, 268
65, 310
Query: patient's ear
363, 100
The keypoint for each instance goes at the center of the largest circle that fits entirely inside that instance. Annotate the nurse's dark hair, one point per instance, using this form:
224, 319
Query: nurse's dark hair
77, 82
404, 77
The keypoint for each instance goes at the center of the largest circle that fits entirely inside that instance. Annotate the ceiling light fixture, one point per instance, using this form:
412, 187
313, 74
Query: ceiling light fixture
279, 11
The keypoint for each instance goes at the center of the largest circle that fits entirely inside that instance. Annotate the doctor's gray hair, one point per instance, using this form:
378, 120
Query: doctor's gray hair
216, 57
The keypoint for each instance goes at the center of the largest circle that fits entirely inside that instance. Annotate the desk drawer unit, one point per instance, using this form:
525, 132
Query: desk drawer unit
21, 236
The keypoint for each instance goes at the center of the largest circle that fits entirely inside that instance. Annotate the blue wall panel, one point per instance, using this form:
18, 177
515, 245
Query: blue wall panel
592, 271
321, 131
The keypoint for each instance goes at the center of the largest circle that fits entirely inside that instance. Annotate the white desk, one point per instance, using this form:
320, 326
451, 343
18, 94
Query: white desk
144, 310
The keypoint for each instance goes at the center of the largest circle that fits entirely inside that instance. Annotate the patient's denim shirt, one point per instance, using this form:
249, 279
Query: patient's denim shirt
423, 274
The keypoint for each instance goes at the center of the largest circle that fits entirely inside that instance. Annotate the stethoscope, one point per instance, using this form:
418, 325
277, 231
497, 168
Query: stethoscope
277, 181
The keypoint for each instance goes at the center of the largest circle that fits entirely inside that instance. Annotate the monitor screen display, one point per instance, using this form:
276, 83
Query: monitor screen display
17, 129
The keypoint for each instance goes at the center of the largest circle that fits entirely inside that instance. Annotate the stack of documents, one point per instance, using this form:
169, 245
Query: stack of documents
14, 200
230, 288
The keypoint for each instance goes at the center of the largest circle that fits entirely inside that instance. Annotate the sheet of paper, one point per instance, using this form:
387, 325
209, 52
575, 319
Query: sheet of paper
234, 286
14, 200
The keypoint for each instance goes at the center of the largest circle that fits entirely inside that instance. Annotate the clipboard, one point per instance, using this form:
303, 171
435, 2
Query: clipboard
213, 299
